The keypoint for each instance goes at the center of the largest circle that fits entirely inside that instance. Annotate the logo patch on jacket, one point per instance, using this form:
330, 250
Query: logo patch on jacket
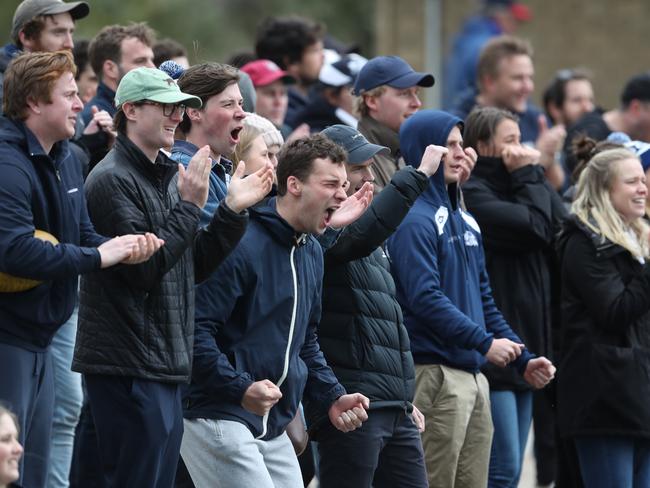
470, 239
471, 221
442, 214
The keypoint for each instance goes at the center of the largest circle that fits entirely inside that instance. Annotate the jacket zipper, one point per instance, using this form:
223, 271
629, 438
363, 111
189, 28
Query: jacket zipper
287, 351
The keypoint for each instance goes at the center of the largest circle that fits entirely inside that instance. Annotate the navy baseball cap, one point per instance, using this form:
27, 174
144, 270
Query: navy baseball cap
356, 145
392, 71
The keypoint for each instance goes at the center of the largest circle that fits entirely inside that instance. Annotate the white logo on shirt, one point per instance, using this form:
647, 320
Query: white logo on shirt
470, 239
442, 214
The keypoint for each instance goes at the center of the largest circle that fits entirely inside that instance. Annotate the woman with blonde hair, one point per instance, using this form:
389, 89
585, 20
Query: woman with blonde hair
259, 142
603, 379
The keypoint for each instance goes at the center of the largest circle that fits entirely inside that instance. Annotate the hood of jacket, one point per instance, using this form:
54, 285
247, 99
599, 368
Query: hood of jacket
420, 130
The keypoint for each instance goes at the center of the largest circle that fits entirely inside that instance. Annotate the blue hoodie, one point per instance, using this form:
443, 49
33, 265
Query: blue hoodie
256, 319
438, 264
41, 191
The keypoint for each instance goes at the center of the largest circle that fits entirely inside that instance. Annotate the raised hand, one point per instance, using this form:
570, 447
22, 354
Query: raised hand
517, 156
260, 397
539, 372
101, 121
431, 159
349, 412
352, 207
467, 165
193, 182
244, 192
549, 141
503, 351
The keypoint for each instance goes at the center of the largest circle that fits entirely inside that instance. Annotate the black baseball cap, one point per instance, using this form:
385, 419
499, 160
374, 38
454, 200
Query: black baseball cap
356, 145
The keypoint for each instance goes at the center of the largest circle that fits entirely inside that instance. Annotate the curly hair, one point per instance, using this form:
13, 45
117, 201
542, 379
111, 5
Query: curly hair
297, 158
283, 40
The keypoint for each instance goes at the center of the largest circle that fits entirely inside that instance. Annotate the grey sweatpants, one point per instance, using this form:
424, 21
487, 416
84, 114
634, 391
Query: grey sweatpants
224, 454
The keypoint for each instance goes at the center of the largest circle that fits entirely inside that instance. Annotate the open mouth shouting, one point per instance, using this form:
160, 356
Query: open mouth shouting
234, 134
329, 212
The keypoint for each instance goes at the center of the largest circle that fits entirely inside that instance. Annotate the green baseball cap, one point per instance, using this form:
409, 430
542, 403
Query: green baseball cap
152, 84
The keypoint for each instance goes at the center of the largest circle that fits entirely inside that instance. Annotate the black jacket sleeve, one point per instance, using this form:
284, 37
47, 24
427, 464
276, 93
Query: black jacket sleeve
215, 242
384, 215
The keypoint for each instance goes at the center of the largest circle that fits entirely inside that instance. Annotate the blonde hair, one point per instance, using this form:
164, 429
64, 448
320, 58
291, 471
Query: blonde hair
246, 137
360, 103
593, 205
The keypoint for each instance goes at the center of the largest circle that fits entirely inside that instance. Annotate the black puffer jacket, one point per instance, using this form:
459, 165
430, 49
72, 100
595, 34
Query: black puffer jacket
139, 320
604, 377
519, 215
361, 331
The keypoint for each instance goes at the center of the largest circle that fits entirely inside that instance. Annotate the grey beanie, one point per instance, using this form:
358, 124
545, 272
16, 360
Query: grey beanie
272, 136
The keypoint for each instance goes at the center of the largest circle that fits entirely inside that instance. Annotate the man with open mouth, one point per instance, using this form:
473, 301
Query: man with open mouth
217, 124
256, 353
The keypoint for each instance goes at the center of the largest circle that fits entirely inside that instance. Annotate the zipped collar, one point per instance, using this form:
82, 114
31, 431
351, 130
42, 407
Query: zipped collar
279, 228
16, 132
163, 168
105, 93
189, 149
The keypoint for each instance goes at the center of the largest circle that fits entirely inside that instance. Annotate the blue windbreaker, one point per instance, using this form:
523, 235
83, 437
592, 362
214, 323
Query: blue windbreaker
256, 319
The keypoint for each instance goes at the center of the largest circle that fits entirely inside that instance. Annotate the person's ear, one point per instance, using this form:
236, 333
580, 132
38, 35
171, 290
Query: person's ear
28, 44
129, 110
194, 114
33, 105
294, 186
371, 102
110, 70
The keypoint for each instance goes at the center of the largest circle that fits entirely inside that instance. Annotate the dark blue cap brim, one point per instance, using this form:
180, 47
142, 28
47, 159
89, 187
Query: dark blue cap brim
412, 79
363, 153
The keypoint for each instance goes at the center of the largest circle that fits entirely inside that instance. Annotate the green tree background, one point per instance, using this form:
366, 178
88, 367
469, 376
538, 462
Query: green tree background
212, 30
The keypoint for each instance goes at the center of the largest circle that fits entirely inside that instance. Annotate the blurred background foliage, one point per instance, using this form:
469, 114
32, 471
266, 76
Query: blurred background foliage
212, 30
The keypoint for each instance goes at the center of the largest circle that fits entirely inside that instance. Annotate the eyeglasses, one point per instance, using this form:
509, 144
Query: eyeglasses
168, 109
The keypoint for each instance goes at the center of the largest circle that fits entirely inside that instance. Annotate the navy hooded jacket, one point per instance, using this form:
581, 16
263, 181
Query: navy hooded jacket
438, 264
256, 319
45, 192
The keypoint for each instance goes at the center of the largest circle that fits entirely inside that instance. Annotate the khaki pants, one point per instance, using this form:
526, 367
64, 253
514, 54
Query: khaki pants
458, 435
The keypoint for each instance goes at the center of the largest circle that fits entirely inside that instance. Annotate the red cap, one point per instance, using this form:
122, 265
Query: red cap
521, 12
264, 72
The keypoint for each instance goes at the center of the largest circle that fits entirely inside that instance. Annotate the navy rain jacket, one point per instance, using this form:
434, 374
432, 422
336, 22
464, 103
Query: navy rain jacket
44, 192
256, 319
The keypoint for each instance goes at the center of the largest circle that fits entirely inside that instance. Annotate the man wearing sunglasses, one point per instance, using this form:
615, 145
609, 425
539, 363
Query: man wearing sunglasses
136, 326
